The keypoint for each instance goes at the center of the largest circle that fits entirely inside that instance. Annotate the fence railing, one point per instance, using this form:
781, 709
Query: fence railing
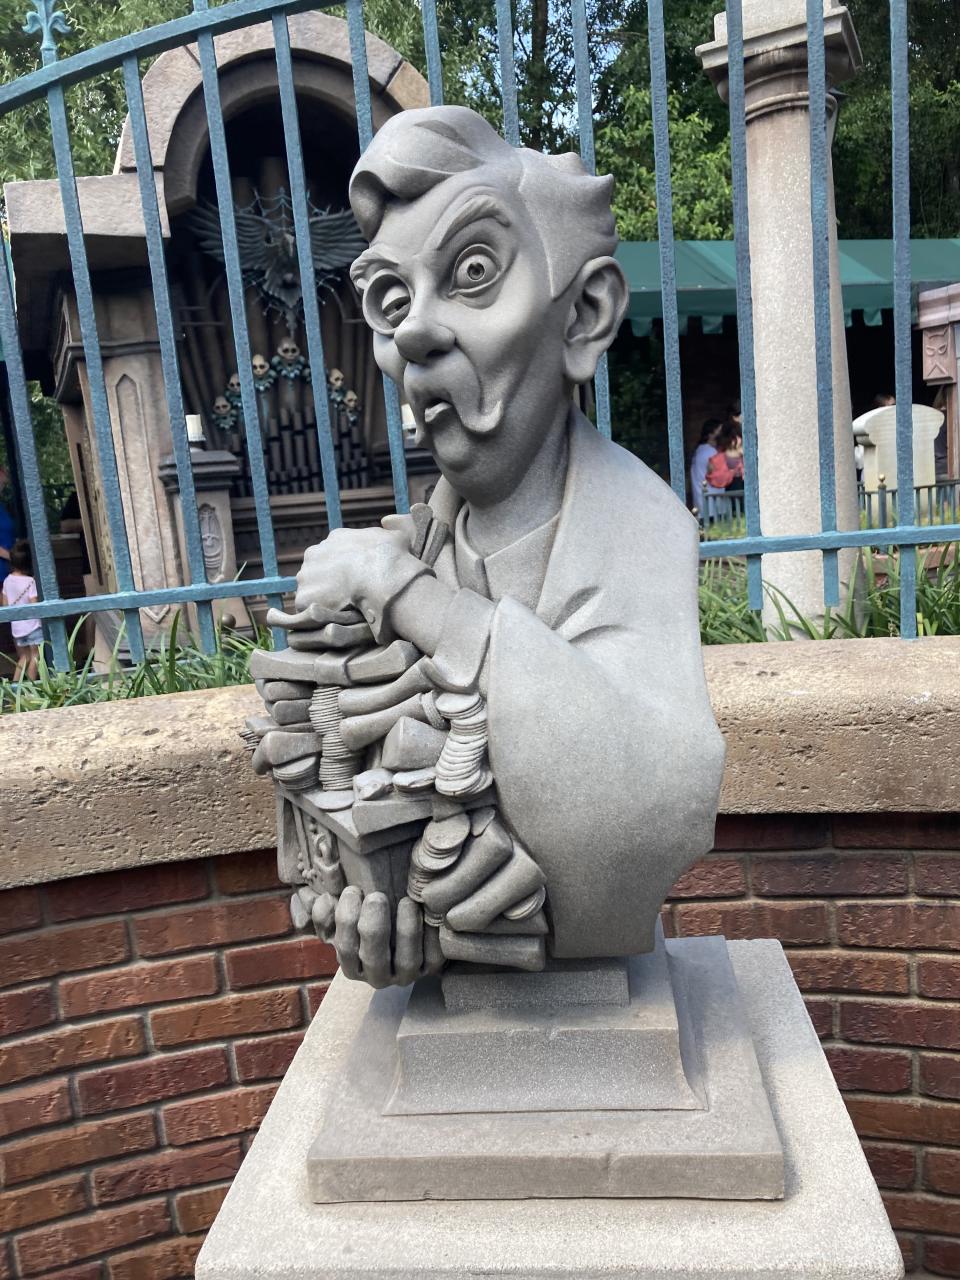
50, 82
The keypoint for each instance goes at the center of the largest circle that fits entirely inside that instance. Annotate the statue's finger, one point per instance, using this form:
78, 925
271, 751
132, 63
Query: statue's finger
433, 957
347, 934
480, 858
324, 916
408, 949
374, 930
513, 883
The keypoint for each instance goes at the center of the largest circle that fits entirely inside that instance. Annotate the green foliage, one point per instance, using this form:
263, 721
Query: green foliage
175, 665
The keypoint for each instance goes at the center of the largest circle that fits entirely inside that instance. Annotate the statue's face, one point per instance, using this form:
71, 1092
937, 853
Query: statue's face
455, 287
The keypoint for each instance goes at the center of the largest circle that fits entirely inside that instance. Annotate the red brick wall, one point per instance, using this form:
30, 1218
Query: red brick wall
145, 1017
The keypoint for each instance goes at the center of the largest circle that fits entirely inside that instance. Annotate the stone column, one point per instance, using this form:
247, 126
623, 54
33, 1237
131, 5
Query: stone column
213, 470
781, 248
938, 316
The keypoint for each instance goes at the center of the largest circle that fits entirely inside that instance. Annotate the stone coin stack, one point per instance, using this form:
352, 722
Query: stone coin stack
462, 768
337, 763
436, 851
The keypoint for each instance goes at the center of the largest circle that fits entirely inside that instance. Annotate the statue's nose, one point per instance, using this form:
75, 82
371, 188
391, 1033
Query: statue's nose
419, 338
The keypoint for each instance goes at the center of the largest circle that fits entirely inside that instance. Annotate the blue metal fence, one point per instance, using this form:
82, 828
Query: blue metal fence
201, 26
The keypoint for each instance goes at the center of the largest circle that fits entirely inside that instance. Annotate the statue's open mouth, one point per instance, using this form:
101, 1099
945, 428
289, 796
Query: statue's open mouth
433, 409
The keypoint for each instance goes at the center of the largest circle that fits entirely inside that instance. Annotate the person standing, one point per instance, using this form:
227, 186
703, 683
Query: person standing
701, 459
19, 587
7, 529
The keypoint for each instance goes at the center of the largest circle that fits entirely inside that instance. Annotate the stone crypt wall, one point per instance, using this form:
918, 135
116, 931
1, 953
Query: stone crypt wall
152, 992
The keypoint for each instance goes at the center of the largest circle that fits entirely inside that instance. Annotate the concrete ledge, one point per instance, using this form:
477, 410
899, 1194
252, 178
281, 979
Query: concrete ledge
850, 726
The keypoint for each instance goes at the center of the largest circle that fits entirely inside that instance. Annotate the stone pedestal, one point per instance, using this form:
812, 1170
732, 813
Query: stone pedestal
830, 1222
781, 249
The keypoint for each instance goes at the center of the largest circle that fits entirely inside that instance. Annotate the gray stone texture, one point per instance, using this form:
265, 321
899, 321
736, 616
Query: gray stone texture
831, 1224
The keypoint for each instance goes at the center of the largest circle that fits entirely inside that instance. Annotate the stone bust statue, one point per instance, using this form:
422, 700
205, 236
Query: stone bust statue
491, 733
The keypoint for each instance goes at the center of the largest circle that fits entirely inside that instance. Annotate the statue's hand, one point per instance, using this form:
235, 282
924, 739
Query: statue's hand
362, 569
362, 938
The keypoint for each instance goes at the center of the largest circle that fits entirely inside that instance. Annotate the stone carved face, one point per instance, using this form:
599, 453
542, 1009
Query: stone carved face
351, 400
233, 385
222, 407
335, 378
480, 314
288, 351
261, 366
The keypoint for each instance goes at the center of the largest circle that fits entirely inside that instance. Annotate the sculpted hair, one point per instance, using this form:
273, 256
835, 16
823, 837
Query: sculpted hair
417, 150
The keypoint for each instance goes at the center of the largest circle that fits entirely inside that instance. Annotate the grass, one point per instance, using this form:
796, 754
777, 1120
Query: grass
177, 664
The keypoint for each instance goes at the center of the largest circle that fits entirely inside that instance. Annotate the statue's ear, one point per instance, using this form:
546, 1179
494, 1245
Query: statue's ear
598, 302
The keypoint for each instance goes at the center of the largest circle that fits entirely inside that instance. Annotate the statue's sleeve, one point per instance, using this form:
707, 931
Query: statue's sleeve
607, 762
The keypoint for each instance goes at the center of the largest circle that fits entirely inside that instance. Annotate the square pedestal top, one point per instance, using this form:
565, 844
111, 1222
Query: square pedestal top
830, 1226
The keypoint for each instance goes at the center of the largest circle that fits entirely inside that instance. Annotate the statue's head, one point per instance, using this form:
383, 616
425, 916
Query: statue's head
489, 284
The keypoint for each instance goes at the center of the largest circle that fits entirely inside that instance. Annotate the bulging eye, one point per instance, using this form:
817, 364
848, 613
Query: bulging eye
476, 269
386, 302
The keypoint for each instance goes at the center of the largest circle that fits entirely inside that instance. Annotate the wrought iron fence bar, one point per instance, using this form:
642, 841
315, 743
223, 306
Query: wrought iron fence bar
146, 44
775, 544
311, 307
96, 383
43, 557
668, 260
391, 398
823, 335
236, 293
902, 320
271, 588
508, 73
584, 86
431, 45
741, 235
168, 343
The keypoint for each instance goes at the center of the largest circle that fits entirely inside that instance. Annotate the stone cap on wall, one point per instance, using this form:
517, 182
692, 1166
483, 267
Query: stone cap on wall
858, 726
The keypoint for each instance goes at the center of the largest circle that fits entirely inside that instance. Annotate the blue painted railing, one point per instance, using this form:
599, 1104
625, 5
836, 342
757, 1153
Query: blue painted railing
51, 80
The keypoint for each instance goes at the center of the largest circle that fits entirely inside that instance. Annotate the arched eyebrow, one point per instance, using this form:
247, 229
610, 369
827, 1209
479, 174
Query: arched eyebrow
485, 204
370, 260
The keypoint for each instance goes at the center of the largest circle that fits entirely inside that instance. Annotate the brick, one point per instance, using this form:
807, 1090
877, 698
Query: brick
57, 1149
938, 978
923, 1213
897, 1022
317, 990
821, 1015
230, 1016
196, 1210
942, 1256
40, 1251
116, 892
140, 984
250, 872
915, 926
19, 909
771, 831
212, 925
267, 1057
86, 1271
41, 1202
870, 1070
26, 1009
167, 1260
216, 1116
71, 1047
940, 1075
892, 1166
292, 960
937, 875
169, 1075
34, 1107
915, 1121
896, 831
712, 878
6, 1269
831, 874
941, 1172
850, 971
908, 1250
152, 1175
796, 922
51, 951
